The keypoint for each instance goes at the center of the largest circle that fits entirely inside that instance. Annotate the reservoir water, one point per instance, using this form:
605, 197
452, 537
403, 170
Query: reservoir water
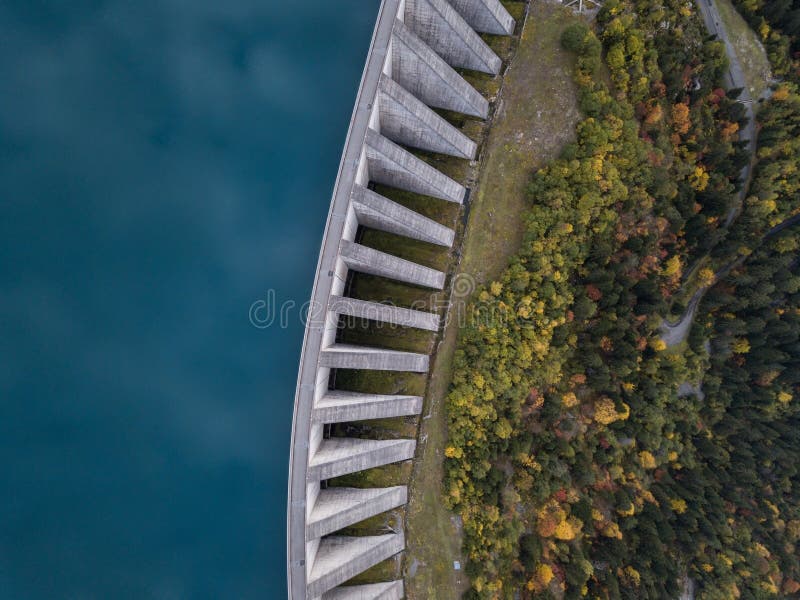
164, 165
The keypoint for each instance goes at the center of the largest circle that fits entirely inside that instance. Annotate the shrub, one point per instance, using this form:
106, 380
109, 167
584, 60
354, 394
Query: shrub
574, 36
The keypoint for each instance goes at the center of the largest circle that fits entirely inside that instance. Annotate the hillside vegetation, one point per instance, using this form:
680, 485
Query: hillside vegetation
581, 456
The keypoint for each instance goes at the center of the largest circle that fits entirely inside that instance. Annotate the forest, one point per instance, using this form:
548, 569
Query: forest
586, 457
778, 24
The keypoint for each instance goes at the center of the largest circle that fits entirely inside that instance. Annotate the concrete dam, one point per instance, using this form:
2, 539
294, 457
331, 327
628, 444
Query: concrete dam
411, 67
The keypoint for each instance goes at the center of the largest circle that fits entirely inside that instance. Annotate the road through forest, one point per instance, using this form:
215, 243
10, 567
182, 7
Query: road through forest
675, 333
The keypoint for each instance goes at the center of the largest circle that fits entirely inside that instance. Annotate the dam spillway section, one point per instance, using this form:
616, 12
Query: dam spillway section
411, 67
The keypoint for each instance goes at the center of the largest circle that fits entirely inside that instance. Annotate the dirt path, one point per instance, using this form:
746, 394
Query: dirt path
675, 333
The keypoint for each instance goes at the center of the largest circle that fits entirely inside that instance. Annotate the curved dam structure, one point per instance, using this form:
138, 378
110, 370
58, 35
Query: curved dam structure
416, 47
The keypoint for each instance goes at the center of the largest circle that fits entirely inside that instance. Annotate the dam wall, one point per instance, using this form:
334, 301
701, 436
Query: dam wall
411, 67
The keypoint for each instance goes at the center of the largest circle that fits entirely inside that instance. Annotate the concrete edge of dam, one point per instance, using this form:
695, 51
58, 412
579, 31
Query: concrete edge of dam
410, 69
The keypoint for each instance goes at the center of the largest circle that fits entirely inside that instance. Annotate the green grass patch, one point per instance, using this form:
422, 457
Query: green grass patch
454, 167
388, 570
441, 211
380, 382
423, 253
749, 51
381, 289
362, 332
388, 475
383, 429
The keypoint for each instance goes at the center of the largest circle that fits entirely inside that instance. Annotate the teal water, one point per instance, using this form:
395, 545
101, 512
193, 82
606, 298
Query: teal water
163, 165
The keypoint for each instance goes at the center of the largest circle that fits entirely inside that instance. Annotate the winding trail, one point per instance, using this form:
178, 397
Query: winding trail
674, 333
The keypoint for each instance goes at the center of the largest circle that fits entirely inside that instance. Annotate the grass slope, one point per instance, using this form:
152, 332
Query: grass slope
751, 54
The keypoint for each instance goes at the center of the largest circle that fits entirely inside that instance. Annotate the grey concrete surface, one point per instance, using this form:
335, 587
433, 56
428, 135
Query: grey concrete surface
377, 212
416, 76
339, 406
341, 558
425, 74
394, 166
374, 262
407, 121
448, 34
340, 507
344, 356
384, 313
391, 590
487, 16
340, 456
